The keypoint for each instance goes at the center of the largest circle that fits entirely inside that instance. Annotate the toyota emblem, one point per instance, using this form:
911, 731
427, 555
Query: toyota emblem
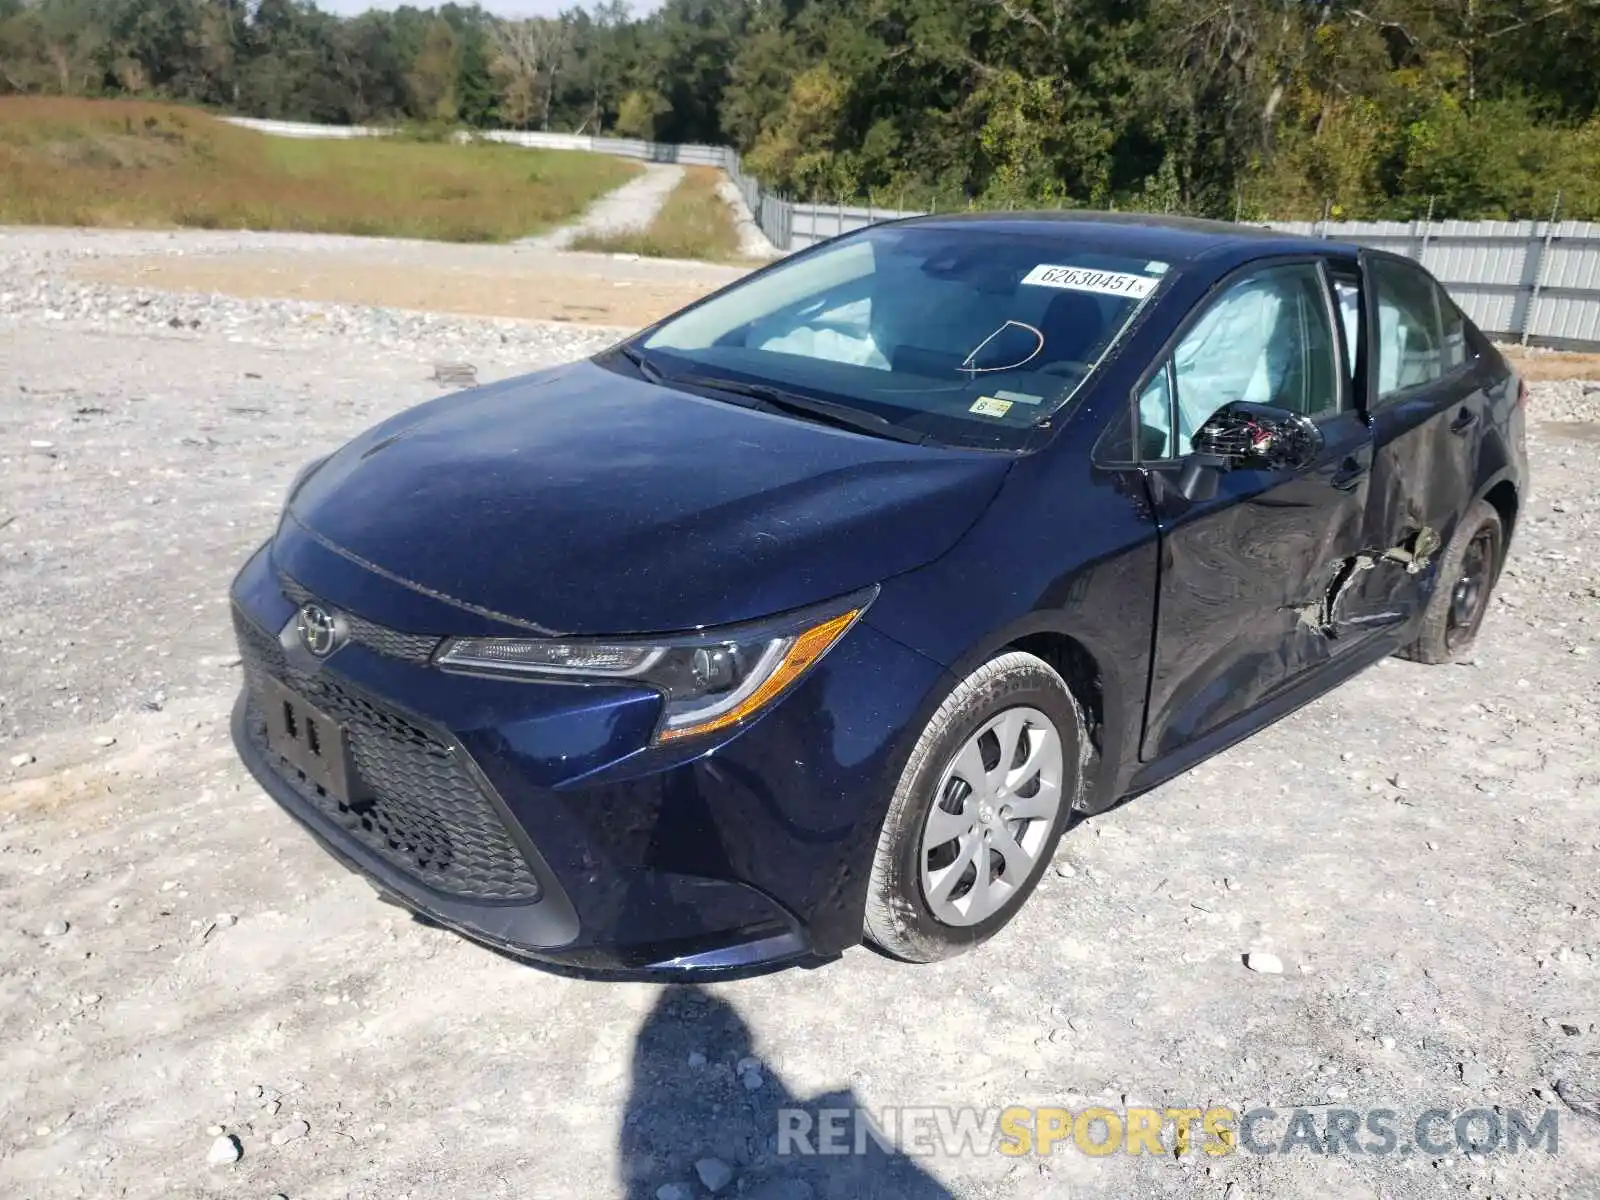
319, 632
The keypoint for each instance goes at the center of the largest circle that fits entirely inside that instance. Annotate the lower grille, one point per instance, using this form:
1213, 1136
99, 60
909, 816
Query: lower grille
413, 802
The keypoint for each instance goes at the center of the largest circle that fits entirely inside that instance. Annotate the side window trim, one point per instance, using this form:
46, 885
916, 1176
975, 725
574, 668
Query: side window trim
1469, 356
1171, 374
1343, 369
1439, 324
1358, 360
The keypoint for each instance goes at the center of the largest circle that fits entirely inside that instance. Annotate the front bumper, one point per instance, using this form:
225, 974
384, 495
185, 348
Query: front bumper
532, 818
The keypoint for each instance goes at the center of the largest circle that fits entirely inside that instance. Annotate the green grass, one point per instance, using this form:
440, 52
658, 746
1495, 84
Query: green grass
693, 223
132, 164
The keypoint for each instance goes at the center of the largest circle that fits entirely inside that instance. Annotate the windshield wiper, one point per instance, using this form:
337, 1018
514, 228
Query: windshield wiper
824, 411
646, 368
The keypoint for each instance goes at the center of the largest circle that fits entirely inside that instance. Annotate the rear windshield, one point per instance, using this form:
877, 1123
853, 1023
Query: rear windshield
968, 335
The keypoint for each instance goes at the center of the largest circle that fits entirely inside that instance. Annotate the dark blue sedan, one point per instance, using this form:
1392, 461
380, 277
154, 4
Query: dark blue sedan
823, 608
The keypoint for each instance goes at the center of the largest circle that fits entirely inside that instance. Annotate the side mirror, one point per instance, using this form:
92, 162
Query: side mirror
1198, 478
1259, 437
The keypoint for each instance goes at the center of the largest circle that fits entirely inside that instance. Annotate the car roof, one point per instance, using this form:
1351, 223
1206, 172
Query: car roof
1171, 239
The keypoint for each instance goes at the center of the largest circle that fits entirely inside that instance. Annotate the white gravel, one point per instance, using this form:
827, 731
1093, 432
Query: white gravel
446, 1070
631, 206
36, 291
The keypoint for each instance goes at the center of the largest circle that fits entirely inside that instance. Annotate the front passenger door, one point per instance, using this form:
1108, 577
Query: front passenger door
1246, 573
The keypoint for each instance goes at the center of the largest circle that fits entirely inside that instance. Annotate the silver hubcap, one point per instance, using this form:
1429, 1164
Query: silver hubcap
991, 813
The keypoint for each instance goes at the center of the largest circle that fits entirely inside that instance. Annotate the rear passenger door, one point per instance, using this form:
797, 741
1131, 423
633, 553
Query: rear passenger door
1427, 414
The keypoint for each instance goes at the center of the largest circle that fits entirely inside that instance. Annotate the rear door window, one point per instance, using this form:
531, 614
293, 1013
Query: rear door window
1411, 348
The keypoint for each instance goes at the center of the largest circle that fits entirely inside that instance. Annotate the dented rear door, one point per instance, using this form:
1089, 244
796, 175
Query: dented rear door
1427, 415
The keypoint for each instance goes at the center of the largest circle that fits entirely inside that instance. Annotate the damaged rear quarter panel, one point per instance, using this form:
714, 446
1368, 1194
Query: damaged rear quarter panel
1438, 447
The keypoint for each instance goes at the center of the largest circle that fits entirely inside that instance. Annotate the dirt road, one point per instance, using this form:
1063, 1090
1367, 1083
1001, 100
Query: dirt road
179, 964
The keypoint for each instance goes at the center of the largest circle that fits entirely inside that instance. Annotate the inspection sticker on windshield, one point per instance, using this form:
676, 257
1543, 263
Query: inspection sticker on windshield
989, 406
1087, 279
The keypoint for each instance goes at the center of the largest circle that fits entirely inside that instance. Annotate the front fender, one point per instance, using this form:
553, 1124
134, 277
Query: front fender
1093, 623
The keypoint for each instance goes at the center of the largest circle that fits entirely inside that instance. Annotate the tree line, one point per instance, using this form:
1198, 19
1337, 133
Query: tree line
1252, 108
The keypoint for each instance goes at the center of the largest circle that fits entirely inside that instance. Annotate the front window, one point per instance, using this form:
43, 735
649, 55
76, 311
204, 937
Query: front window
1265, 340
968, 335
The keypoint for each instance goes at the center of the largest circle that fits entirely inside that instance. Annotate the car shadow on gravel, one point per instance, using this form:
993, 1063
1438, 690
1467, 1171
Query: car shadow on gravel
698, 1093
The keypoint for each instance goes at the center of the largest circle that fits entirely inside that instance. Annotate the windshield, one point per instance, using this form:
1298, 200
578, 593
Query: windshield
969, 335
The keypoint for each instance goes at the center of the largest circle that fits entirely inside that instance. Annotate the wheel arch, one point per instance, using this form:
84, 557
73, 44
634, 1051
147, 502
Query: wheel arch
1075, 664
1504, 499
1101, 692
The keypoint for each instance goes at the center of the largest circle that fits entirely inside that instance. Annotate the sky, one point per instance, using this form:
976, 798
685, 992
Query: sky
503, 8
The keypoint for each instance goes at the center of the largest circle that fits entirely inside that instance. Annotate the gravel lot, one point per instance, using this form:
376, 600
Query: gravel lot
185, 979
54, 272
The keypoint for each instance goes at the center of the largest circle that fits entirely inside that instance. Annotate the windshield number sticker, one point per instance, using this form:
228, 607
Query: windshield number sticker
1085, 279
988, 406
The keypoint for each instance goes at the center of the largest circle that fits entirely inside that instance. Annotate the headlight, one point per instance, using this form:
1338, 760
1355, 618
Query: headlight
708, 680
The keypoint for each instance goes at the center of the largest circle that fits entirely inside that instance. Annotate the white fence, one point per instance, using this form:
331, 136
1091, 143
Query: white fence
304, 129
1533, 281
662, 152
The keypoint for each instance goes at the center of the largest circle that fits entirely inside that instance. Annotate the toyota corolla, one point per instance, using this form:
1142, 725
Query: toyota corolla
820, 610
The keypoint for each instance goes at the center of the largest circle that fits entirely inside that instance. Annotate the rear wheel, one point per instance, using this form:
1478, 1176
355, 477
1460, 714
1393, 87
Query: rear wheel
978, 811
1468, 572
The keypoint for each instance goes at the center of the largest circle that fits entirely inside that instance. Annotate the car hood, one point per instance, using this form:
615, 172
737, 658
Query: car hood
584, 501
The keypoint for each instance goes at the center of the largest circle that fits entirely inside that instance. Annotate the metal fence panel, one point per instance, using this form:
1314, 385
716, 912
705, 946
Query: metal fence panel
1522, 280
1526, 280
815, 223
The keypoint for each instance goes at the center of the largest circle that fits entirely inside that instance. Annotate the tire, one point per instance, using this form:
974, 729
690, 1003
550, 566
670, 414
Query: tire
1471, 564
918, 908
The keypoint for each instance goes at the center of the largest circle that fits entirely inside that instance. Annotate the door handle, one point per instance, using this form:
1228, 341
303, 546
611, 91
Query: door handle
1350, 473
1465, 420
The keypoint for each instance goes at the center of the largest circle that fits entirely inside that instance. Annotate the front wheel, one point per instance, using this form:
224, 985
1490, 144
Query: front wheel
978, 811
1468, 572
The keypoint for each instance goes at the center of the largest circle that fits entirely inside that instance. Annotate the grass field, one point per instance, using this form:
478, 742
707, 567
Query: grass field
693, 223
1543, 366
132, 164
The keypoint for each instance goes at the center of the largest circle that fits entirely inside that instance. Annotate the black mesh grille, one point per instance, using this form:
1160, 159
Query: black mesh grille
412, 647
413, 802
